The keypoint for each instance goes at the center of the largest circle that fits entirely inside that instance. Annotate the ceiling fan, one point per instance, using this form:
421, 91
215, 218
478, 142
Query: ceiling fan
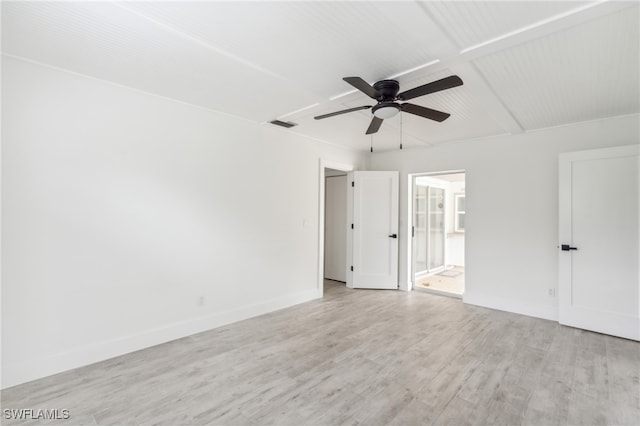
386, 93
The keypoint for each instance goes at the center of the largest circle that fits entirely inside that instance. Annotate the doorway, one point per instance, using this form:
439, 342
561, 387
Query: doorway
335, 226
437, 206
332, 226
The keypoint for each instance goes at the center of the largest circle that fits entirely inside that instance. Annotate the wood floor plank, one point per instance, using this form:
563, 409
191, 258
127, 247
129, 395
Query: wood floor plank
358, 357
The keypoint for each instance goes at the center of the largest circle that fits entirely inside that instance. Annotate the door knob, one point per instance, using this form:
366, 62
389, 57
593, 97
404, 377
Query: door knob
393, 236
567, 247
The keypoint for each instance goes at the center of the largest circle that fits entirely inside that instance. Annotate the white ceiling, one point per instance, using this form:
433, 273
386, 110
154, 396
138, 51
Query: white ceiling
525, 64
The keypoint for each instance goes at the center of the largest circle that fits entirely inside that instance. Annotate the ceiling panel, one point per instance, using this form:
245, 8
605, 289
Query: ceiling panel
108, 42
266, 60
473, 22
586, 72
311, 44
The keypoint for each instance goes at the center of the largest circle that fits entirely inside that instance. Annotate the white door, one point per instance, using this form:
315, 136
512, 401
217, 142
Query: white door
335, 228
599, 208
374, 237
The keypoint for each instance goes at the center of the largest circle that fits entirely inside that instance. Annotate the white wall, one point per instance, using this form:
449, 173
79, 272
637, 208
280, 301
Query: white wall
512, 207
121, 209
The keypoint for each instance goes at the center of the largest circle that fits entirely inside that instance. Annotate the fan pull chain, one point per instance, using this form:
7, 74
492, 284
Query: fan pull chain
372, 142
400, 130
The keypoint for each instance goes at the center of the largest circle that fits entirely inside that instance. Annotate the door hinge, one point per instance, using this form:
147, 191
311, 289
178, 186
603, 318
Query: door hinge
352, 269
353, 184
352, 226
413, 231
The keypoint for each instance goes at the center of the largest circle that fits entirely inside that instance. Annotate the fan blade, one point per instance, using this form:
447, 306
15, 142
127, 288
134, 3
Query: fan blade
434, 86
344, 111
362, 86
429, 113
375, 125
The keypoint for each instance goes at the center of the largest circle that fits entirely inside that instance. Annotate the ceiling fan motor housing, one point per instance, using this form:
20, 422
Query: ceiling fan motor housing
387, 89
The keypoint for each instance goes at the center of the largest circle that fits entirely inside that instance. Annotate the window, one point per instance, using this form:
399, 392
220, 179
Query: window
459, 212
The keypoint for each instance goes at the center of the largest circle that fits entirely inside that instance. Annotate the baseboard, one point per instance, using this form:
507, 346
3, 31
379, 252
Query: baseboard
26, 371
548, 312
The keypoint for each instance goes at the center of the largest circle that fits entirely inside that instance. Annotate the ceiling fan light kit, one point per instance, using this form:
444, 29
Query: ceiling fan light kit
386, 110
386, 93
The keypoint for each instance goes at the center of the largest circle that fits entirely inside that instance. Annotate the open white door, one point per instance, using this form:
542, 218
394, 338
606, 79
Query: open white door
599, 232
374, 237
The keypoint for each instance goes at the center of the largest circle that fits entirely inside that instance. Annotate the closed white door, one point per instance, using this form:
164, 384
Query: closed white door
335, 228
374, 259
599, 283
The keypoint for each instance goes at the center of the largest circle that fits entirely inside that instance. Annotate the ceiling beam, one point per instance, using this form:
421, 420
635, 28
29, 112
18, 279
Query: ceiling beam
543, 28
474, 81
461, 61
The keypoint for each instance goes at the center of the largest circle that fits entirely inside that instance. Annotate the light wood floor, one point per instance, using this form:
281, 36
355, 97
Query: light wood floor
359, 357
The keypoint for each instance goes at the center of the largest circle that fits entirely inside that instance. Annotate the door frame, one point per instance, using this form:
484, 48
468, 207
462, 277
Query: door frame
323, 165
410, 217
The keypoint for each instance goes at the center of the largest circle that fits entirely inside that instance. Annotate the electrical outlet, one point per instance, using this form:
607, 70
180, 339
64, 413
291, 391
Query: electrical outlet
200, 300
552, 292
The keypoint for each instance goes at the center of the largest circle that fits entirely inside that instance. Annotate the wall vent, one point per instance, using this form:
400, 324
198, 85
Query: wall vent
286, 124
